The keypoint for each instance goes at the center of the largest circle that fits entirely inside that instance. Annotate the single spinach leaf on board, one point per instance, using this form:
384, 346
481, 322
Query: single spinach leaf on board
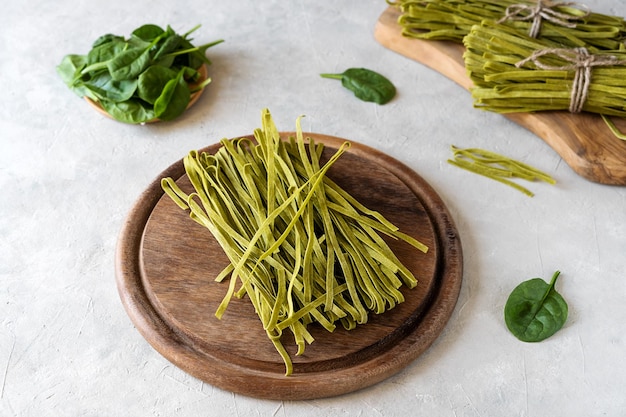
152, 82
366, 84
535, 310
174, 99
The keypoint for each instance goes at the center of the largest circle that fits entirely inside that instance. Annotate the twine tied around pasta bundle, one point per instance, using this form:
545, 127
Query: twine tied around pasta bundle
543, 10
579, 60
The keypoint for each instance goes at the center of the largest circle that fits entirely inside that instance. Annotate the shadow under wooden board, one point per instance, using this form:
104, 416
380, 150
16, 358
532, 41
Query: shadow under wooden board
583, 140
166, 264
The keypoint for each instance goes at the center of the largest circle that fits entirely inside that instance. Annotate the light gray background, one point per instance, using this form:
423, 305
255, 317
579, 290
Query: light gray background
69, 176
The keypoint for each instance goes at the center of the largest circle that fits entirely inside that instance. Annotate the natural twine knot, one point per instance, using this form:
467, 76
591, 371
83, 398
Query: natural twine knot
543, 10
579, 60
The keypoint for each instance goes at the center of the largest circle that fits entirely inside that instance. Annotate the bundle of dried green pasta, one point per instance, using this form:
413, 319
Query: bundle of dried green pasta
512, 72
300, 247
566, 23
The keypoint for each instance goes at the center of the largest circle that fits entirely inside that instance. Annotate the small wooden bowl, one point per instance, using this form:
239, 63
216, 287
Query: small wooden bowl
204, 73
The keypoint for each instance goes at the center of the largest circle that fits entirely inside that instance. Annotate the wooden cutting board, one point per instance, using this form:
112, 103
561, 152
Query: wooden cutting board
166, 264
583, 140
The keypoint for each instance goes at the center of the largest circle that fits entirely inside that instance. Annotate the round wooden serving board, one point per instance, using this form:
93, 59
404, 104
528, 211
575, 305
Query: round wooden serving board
166, 264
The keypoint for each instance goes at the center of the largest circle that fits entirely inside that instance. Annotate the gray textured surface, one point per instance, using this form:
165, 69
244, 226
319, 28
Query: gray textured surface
69, 176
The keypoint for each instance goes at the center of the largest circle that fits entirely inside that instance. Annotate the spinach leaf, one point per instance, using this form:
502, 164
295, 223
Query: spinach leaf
135, 42
129, 64
106, 38
152, 82
132, 111
366, 84
174, 99
106, 88
169, 44
198, 57
148, 32
70, 67
191, 74
106, 51
535, 310
192, 56
70, 72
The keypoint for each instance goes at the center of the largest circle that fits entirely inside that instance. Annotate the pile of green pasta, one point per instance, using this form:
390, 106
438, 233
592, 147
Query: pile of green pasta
512, 71
300, 247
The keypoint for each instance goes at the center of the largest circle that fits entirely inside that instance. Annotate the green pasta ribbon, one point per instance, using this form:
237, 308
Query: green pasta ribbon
301, 248
498, 167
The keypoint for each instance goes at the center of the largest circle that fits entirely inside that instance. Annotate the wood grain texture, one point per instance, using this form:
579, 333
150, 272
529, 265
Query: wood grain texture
583, 140
166, 265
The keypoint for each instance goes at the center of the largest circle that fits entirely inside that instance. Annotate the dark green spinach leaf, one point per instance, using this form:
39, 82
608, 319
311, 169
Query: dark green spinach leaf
70, 68
106, 38
366, 84
169, 45
106, 88
106, 51
152, 82
129, 63
535, 310
133, 111
174, 99
148, 32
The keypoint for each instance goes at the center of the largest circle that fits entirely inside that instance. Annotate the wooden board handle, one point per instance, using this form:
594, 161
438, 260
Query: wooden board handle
583, 140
